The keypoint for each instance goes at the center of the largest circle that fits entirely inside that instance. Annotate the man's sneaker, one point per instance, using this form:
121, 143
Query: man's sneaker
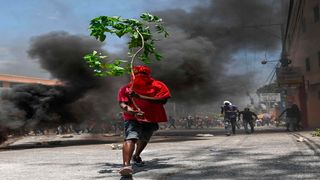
137, 161
126, 171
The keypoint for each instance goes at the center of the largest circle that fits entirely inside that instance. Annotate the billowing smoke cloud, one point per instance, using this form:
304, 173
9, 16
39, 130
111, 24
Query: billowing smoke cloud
197, 59
203, 42
62, 55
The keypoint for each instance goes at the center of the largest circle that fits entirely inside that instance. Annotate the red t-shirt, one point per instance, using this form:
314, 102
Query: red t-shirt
153, 112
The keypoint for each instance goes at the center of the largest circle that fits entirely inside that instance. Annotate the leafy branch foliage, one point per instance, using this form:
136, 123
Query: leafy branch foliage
140, 35
316, 132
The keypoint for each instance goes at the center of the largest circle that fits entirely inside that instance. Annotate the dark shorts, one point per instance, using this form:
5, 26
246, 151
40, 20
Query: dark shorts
139, 130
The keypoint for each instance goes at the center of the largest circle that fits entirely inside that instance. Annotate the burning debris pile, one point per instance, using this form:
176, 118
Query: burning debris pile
39, 104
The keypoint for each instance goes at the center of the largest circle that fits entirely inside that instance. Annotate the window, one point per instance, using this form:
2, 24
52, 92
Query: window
316, 13
308, 68
303, 25
290, 40
319, 58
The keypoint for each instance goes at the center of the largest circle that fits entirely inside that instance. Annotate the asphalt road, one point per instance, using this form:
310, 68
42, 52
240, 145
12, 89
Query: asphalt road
172, 154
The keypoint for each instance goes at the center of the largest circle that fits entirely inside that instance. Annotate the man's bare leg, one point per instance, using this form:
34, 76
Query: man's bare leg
140, 147
127, 151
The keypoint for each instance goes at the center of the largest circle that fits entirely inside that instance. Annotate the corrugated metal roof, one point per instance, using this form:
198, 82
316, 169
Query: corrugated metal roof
28, 80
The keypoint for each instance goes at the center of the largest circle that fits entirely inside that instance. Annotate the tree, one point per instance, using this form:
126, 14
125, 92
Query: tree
141, 44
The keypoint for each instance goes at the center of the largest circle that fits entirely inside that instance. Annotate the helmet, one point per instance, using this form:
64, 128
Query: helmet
227, 103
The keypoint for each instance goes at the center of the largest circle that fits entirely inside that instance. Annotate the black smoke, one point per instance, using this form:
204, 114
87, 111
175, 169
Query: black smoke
61, 54
197, 58
199, 54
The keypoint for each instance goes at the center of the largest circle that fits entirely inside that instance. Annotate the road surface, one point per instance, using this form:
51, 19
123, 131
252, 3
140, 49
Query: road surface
172, 154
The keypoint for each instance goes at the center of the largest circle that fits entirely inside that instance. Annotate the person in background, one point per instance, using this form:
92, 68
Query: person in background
266, 119
229, 112
247, 117
189, 121
171, 122
292, 117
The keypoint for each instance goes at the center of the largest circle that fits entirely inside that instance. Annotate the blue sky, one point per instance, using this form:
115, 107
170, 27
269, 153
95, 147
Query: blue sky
33, 17
22, 19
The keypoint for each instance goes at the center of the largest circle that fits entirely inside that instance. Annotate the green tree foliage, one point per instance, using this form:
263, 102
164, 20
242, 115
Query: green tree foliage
316, 132
141, 44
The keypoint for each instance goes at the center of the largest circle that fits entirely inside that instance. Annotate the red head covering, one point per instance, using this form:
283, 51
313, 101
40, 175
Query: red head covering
142, 70
144, 84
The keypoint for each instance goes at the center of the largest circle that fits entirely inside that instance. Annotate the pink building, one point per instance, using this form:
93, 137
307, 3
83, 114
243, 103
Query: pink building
302, 45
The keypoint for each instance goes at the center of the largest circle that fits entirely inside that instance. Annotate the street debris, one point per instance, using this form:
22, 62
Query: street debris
67, 136
106, 171
108, 135
301, 139
116, 146
204, 135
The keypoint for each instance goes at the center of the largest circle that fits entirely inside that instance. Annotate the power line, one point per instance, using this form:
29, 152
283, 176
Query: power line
272, 74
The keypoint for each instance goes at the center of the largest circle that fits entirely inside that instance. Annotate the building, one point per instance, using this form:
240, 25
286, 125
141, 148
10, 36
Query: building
7, 81
302, 46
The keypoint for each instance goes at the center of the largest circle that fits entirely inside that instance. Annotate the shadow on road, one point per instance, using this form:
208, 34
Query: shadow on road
112, 168
260, 166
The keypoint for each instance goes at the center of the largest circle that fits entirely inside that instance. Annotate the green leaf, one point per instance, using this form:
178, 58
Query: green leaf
135, 35
158, 56
102, 37
103, 57
145, 59
166, 34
